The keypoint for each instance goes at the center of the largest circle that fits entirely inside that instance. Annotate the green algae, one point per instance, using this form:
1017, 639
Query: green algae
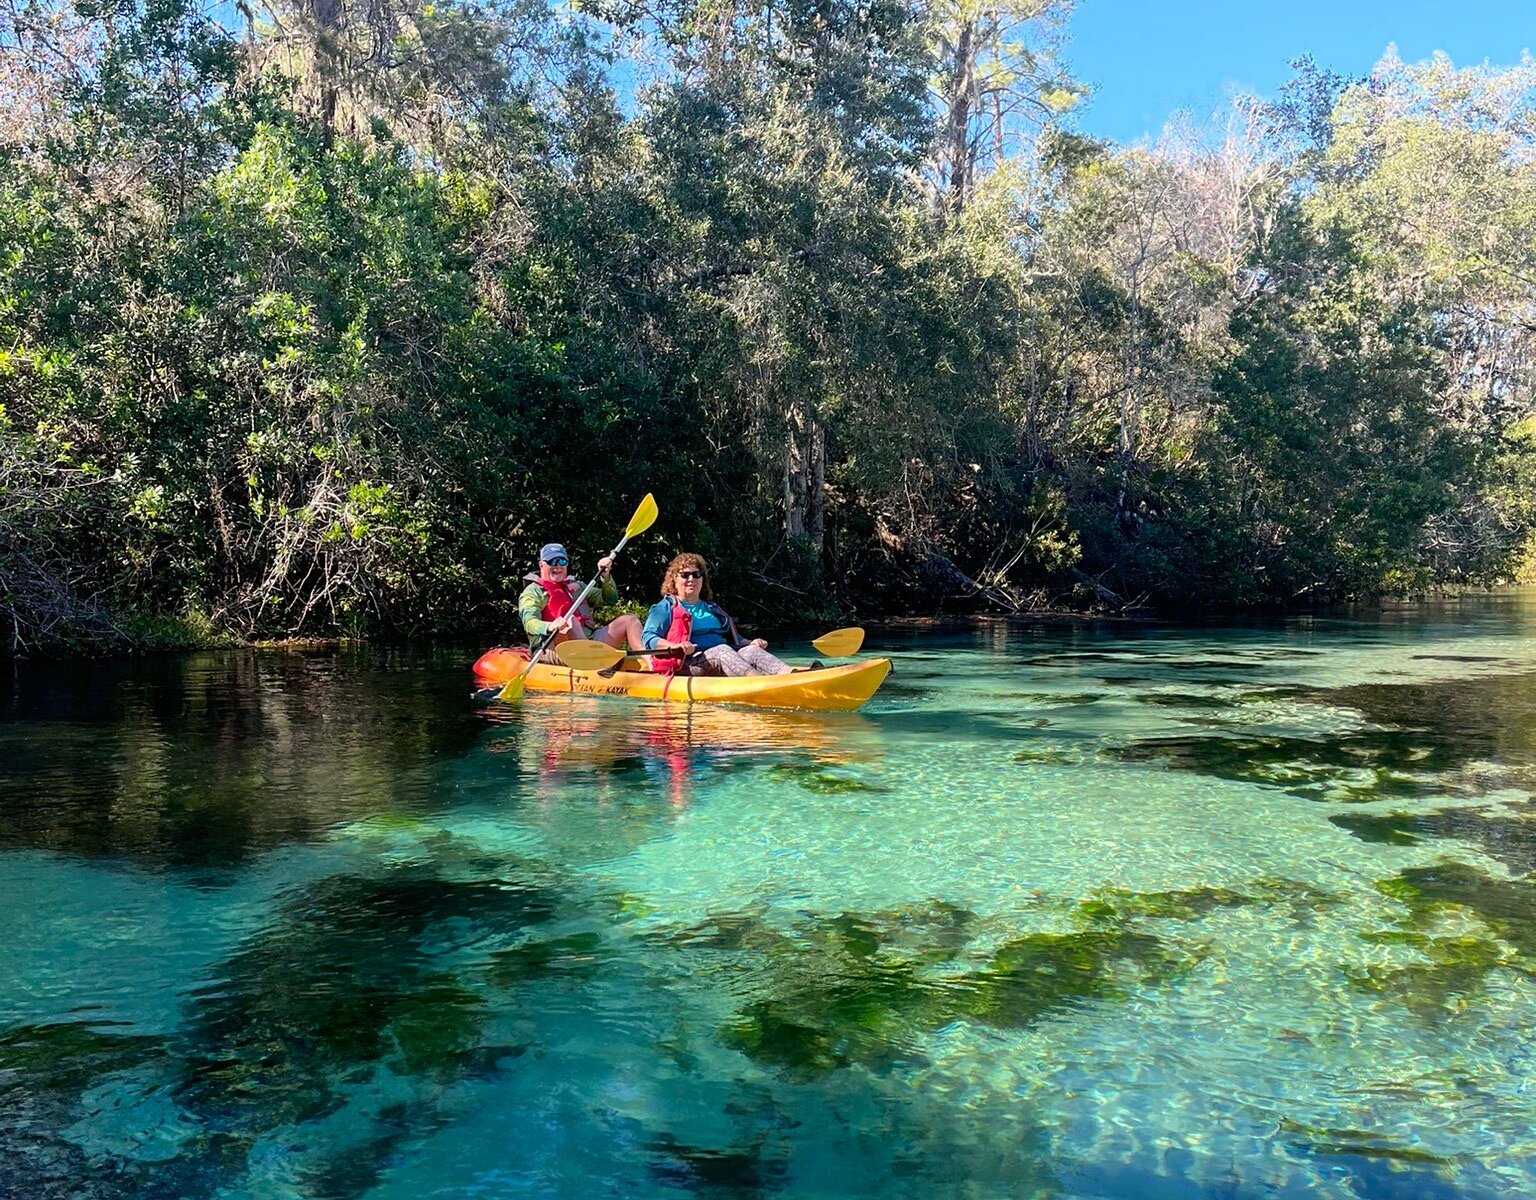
1506, 906
1457, 964
845, 989
1360, 1143
869, 989
390, 824
573, 956
840, 1007
1454, 977
1356, 767
69, 1056
1041, 973
1395, 937
1188, 904
628, 907
436, 1028
817, 779
342, 984
1185, 904
1047, 756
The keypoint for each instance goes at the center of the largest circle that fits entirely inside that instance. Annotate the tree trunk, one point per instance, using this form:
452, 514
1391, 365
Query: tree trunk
328, 16
958, 125
805, 473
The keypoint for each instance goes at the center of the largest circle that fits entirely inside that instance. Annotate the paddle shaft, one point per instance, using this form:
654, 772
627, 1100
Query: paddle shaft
587, 655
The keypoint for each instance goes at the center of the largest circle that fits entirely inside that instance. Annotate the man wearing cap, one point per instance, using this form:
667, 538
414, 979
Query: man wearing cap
546, 604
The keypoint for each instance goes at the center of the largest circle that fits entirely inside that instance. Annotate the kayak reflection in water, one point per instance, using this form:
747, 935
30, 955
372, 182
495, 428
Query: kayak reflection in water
686, 618
567, 746
608, 753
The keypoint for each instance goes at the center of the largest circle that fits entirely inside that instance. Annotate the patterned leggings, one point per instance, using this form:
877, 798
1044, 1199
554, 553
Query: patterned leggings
749, 660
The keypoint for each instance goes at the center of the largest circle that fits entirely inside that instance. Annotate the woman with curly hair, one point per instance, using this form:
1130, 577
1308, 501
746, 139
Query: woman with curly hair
687, 619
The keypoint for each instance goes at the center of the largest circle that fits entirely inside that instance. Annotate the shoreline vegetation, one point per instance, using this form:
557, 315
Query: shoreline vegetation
318, 326
168, 638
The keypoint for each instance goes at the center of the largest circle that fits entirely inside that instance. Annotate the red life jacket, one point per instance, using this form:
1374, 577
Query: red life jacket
678, 631
559, 599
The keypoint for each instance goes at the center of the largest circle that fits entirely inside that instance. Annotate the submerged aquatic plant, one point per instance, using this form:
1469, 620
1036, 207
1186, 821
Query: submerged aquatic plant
1503, 833
815, 777
869, 989
1465, 924
1040, 973
1359, 1143
45, 1070
346, 983
1355, 767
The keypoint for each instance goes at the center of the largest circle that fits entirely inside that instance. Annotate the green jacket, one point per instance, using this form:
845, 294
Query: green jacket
530, 604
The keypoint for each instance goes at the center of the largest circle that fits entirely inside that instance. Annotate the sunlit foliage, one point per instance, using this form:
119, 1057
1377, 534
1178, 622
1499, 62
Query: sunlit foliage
322, 324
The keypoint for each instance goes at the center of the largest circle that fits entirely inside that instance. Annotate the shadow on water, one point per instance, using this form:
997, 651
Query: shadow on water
1457, 739
358, 978
201, 761
1490, 717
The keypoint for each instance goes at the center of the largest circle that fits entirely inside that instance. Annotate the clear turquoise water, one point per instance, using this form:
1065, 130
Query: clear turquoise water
1090, 912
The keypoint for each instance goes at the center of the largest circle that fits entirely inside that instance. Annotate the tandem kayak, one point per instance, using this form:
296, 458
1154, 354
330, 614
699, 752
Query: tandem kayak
825, 689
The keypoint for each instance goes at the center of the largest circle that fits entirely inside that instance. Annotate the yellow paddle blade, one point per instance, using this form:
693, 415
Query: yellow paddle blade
840, 643
582, 655
513, 692
644, 518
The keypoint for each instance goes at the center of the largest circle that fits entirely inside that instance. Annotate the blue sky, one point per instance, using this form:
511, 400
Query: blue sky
1145, 59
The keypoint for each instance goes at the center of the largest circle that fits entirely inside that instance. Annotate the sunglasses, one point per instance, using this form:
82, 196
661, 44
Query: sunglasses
558, 562
690, 574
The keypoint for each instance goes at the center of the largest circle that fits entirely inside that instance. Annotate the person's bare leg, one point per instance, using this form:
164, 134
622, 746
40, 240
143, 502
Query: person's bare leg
624, 632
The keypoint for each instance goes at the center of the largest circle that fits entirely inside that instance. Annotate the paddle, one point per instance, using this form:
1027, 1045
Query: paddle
582, 655
840, 643
644, 518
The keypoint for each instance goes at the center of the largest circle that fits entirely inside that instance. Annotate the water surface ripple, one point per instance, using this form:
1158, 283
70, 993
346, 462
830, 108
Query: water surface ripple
1087, 913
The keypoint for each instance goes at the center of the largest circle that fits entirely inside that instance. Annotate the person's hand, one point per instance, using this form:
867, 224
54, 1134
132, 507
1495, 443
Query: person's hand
605, 565
760, 643
561, 624
688, 649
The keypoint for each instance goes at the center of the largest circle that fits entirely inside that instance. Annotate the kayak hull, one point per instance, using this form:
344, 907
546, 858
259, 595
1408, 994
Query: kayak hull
826, 689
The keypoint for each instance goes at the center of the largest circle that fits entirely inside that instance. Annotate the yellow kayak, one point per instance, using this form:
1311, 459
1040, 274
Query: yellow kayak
825, 689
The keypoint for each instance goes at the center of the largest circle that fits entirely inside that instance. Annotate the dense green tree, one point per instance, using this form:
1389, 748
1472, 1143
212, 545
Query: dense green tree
1327, 457
323, 326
